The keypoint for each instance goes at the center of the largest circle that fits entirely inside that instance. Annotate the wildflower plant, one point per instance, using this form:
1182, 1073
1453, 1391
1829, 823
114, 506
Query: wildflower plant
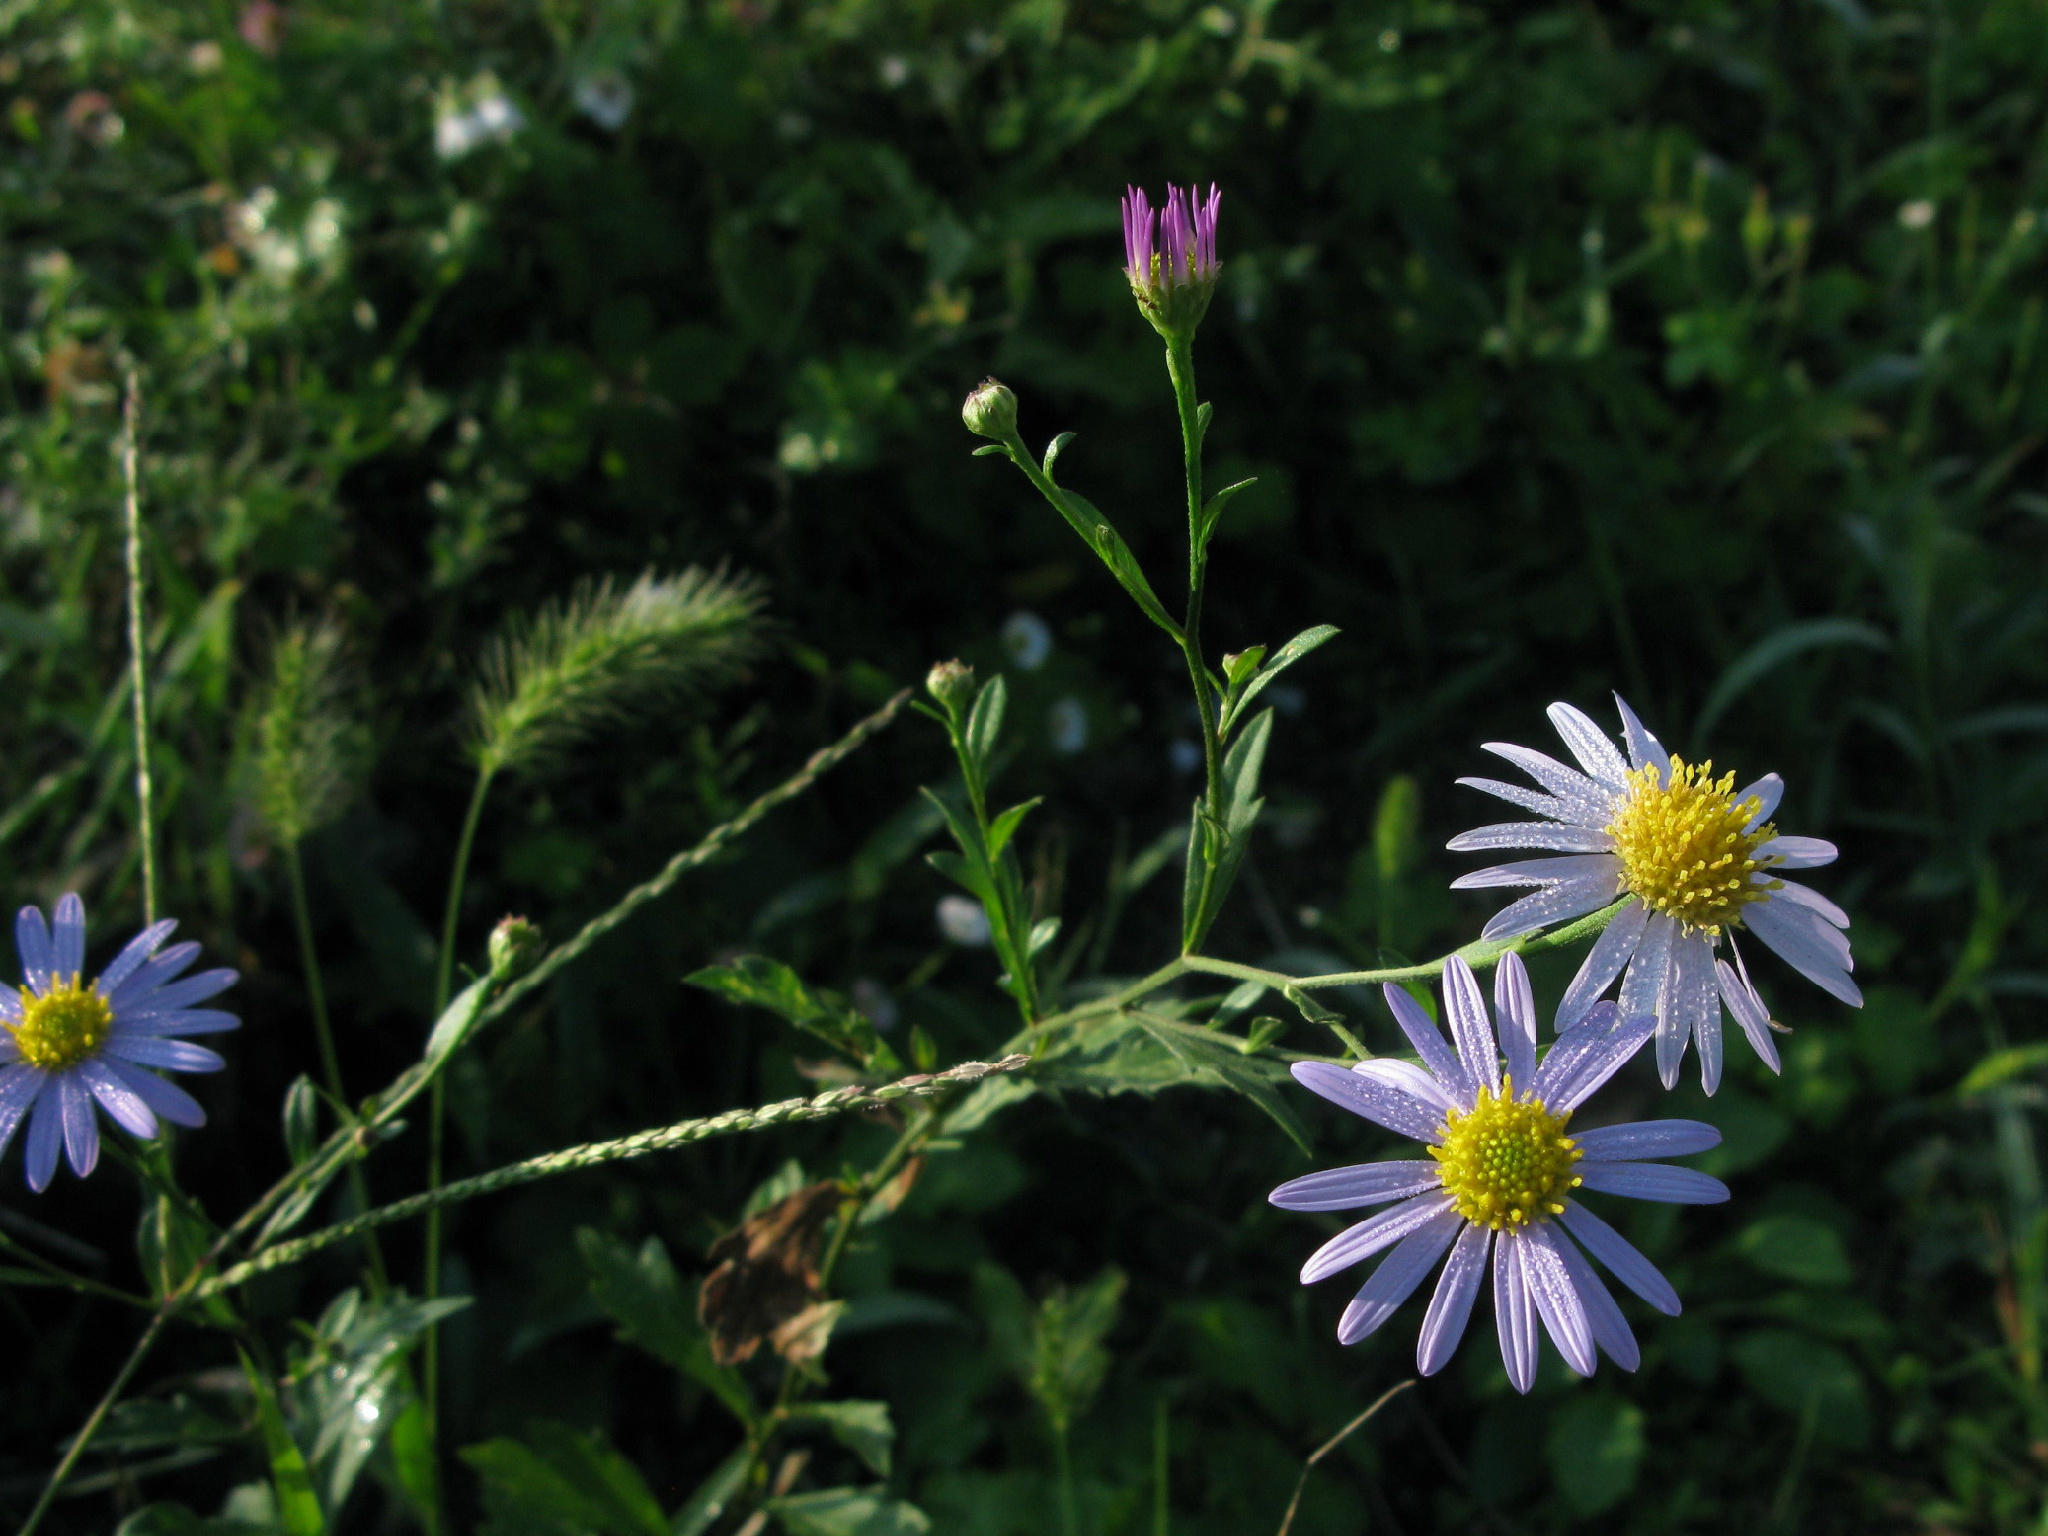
1660, 861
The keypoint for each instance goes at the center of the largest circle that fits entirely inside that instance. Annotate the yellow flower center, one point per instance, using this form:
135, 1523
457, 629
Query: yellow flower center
1507, 1162
1679, 835
62, 1027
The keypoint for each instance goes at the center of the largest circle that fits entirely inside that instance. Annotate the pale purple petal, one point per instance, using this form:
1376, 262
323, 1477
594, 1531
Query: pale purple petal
67, 951
1528, 799
166, 1099
1398, 1275
1748, 1008
1799, 895
133, 953
1543, 872
1429, 1044
1800, 939
45, 1136
1644, 985
1559, 836
1394, 1108
1622, 1258
1469, 1025
172, 1055
19, 1087
1610, 1329
1342, 1189
1589, 744
1767, 791
10, 1007
1585, 1056
1647, 1138
1552, 904
81, 1126
1653, 1181
1449, 1309
1603, 962
1642, 746
178, 994
1406, 1077
1797, 852
1514, 1006
1585, 802
1696, 1008
124, 1104
181, 1021
1557, 1302
1368, 1237
151, 975
32, 938
1514, 1311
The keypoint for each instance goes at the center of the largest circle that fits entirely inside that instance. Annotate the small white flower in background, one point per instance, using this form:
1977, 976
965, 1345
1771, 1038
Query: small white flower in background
1917, 214
1698, 859
1501, 1180
893, 70
962, 921
1026, 640
605, 96
1066, 724
476, 114
872, 1000
1184, 755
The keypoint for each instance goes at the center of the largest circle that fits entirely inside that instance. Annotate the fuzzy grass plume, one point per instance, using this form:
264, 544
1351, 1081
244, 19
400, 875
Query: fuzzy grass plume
577, 665
305, 748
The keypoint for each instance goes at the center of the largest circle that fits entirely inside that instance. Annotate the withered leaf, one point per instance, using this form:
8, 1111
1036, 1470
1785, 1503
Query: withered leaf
765, 1273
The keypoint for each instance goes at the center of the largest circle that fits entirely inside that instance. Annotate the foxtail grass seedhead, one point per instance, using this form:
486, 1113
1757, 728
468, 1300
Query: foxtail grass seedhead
305, 750
553, 680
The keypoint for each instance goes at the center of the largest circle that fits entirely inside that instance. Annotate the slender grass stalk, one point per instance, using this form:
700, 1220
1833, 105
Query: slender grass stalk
1063, 1466
100, 1410
138, 680
1293, 1504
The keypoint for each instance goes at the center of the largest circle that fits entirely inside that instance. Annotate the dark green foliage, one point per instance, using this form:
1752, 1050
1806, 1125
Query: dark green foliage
1688, 348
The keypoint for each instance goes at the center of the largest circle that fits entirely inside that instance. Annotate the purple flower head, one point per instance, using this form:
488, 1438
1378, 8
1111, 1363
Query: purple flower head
1501, 1179
66, 1042
1174, 281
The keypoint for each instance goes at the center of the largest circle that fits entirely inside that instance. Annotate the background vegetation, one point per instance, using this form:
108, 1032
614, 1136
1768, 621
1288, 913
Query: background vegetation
1690, 348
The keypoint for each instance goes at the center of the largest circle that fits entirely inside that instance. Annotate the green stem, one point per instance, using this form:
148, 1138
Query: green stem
330, 1059
138, 683
1011, 913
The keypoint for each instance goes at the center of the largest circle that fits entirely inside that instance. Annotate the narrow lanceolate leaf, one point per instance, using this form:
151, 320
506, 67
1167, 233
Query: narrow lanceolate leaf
548, 684
1283, 658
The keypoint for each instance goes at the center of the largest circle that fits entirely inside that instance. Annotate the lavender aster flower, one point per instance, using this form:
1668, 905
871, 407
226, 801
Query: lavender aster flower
1173, 284
65, 1042
1499, 1180
1698, 859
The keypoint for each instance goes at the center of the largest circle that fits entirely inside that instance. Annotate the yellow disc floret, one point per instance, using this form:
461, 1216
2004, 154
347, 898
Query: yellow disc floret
1507, 1162
62, 1026
1684, 852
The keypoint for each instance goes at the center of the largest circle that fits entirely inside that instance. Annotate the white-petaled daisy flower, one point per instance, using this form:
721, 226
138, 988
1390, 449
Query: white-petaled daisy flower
65, 1042
1699, 858
1500, 1180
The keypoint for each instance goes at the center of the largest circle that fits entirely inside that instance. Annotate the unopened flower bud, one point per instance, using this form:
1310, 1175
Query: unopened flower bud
951, 683
991, 411
516, 943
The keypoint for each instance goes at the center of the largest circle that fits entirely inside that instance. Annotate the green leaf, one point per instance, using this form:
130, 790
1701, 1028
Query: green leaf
769, 984
1213, 512
1203, 413
291, 1481
1396, 827
301, 1119
561, 1475
863, 1428
643, 1295
1053, 450
1596, 1448
1206, 1053
988, 448
1812, 1381
457, 1020
2003, 1066
985, 722
847, 1512
1043, 932
1004, 827
1796, 1248
177, 1520
1123, 565
713, 1496
1241, 666
1773, 651
1288, 654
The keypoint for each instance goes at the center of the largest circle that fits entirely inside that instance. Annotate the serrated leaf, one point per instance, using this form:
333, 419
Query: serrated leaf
1288, 654
1203, 1051
765, 983
643, 1295
864, 1428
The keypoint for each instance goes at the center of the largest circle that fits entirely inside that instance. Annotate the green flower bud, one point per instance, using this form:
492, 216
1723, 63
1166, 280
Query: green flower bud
951, 683
991, 411
516, 944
